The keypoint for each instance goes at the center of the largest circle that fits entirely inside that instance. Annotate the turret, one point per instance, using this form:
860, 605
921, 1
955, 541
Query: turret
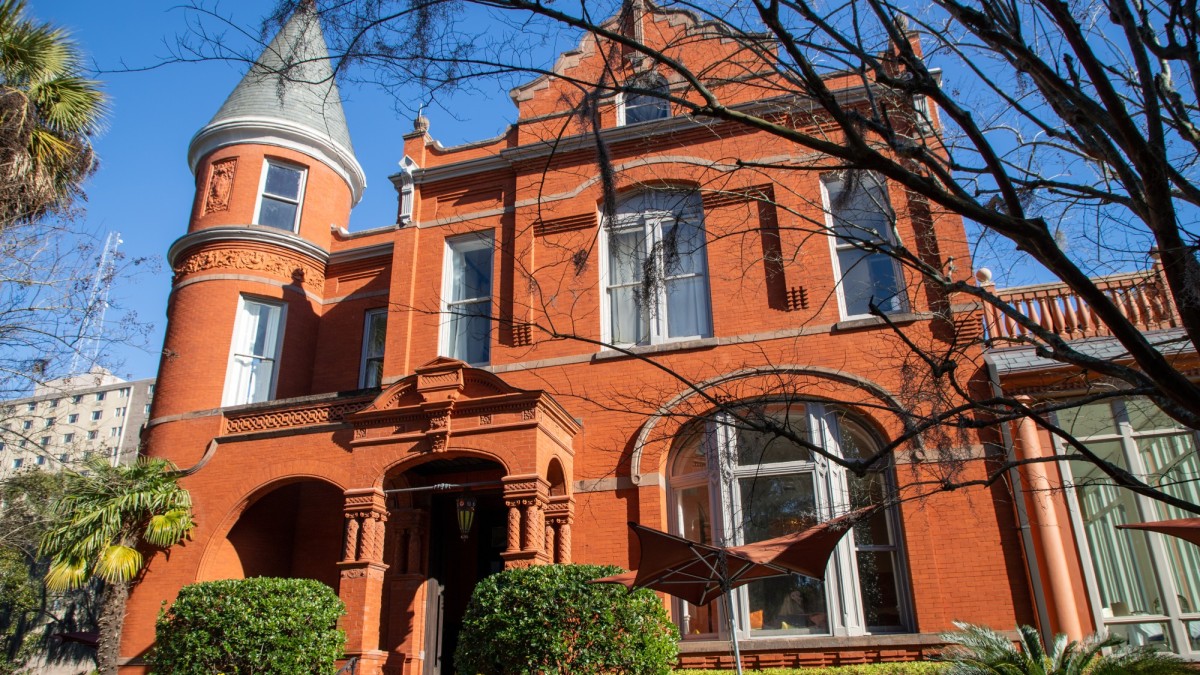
274, 171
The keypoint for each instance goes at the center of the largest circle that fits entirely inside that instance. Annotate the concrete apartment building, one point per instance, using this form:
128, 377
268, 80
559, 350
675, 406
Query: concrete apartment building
70, 419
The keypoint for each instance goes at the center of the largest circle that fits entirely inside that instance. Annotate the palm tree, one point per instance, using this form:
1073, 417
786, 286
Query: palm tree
48, 110
107, 517
978, 650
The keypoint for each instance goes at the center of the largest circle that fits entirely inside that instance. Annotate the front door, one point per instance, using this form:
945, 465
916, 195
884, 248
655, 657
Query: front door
457, 564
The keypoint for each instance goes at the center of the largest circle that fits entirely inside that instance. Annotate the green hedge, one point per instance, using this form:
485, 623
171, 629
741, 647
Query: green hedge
547, 618
909, 668
261, 625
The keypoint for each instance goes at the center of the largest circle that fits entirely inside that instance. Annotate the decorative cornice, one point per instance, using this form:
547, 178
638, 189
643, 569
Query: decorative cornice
361, 253
265, 420
259, 234
298, 271
283, 134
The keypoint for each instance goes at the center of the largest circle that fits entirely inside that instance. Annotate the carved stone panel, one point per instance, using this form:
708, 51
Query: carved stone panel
220, 185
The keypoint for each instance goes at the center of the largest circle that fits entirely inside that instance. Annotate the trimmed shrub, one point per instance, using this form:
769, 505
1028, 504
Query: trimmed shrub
260, 625
547, 619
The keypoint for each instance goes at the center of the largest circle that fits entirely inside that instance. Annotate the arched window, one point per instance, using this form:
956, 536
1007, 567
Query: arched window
655, 272
646, 99
732, 483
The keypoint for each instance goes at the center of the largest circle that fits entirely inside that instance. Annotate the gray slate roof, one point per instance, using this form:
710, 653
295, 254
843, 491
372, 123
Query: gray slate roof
292, 81
1021, 359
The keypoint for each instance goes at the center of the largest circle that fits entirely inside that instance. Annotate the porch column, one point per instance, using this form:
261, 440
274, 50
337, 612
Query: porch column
1049, 534
406, 590
560, 513
362, 568
526, 498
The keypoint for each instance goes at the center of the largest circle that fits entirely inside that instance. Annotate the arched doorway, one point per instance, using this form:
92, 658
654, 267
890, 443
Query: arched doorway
434, 560
291, 530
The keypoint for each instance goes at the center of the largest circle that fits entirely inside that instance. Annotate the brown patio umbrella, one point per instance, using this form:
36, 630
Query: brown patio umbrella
698, 573
1187, 529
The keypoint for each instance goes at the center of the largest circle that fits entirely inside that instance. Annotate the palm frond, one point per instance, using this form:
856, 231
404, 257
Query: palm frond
119, 563
67, 573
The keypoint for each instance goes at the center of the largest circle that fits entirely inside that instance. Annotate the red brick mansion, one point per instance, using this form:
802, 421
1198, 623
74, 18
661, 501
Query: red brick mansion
573, 366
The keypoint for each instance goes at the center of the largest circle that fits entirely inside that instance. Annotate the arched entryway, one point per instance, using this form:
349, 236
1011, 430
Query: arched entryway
441, 543
293, 529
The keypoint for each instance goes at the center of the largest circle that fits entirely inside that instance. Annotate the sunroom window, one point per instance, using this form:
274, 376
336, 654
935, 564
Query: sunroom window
1145, 586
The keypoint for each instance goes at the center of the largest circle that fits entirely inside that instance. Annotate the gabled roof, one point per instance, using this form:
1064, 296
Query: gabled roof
289, 97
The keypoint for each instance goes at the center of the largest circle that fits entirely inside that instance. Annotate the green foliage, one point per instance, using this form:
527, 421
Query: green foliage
906, 668
261, 625
48, 109
978, 650
547, 618
28, 614
107, 514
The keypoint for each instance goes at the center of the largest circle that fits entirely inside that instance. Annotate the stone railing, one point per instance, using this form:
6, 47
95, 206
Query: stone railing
1141, 297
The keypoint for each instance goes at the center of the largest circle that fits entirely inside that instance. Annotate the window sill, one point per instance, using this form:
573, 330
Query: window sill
811, 642
639, 350
898, 318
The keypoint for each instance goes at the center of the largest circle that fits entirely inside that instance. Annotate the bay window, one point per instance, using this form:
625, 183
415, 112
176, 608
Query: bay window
467, 299
732, 482
861, 219
655, 272
254, 353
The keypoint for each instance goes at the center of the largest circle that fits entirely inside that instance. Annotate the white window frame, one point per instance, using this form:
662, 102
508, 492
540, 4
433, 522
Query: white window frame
238, 346
651, 221
844, 607
465, 243
837, 247
369, 318
622, 99
262, 189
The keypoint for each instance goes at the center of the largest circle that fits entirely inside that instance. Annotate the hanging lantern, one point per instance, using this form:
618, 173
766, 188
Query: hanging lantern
466, 515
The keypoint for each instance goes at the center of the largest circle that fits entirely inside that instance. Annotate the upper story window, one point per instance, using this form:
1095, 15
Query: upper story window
733, 483
72, 418
655, 273
645, 99
861, 219
76, 398
1146, 586
374, 335
31, 406
54, 403
254, 353
467, 299
100, 395
280, 196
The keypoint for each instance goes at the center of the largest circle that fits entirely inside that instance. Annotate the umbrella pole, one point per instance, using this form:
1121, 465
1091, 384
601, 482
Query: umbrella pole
737, 654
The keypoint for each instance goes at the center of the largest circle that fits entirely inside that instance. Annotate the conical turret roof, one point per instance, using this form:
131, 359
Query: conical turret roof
293, 80
290, 96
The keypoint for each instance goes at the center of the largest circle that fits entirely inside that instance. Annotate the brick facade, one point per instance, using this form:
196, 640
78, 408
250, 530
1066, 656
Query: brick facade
568, 439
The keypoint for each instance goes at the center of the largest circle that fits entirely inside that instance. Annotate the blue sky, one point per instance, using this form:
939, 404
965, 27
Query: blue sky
143, 188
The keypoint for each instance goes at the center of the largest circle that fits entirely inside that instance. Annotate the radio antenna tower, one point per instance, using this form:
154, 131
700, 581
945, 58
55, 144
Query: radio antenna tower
87, 341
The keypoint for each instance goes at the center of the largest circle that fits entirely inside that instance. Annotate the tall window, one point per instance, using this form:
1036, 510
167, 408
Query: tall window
257, 336
467, 299
656, 274
648, 102
732, 483
861, 218
1146, 587
374, 333
280, 196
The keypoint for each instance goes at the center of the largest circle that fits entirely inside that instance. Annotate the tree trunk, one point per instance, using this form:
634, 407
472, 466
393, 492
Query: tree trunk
112, 619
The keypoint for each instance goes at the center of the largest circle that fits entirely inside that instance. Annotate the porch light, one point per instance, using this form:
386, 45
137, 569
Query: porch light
466, 515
